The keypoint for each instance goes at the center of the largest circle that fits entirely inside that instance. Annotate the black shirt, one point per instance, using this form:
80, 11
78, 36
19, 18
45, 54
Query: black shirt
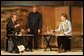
11, 27
34, 20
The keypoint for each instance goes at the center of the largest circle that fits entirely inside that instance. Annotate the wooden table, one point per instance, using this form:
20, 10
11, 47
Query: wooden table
48, 38
16, 36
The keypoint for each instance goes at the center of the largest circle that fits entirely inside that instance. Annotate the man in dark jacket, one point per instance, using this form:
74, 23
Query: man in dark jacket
34, 25
11, 30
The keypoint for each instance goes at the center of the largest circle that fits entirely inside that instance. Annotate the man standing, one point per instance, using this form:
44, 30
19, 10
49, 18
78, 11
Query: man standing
34, 24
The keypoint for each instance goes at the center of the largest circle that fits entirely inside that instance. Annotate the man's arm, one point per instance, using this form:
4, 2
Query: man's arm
28, 22
40, 21
27, 25
10, 25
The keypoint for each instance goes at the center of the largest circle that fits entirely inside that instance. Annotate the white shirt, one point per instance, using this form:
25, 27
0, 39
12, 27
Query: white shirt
65, 27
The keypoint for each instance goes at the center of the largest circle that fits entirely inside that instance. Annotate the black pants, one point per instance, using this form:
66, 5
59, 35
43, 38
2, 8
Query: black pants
6, 44
31, 43
35, 38
14, 42
64, 42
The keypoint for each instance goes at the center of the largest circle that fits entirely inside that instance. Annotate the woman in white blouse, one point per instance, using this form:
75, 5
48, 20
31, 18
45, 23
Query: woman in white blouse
64, 30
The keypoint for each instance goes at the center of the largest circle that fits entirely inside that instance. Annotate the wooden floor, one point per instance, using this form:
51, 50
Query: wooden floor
42, 52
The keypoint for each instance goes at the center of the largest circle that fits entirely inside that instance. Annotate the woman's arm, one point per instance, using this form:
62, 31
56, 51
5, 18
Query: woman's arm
59, 28
69, 26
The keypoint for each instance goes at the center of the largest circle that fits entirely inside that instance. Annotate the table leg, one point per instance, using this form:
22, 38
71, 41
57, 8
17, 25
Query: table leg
48, 45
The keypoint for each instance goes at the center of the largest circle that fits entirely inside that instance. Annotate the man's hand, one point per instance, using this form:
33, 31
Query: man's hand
17, 25
28, 30
39, 30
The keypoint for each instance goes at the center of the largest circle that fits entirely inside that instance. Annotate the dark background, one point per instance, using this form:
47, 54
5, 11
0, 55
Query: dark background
30, 3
